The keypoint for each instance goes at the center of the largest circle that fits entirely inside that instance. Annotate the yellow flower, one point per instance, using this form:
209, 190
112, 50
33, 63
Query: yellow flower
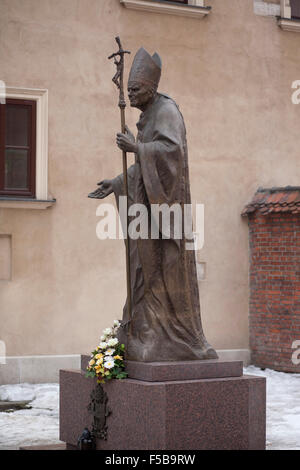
92, 362
118, 357
98, 356
107, 372
99, 361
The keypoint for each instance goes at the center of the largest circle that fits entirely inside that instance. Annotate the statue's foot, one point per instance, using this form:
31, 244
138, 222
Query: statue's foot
211, 354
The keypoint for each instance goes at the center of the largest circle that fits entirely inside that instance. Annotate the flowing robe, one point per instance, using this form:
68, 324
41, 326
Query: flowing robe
166, 322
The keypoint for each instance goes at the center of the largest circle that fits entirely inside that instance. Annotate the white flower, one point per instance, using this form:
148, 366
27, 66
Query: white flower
117, 323
109, 364
109, 352
112, 342
107, 331
103, 345
102, 338
108, 358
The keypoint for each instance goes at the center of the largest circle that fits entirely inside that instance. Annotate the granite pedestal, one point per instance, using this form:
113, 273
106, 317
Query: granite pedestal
170, 406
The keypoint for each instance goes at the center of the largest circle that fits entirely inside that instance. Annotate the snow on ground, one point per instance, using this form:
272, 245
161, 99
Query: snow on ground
35, 426
283, 408
39, 425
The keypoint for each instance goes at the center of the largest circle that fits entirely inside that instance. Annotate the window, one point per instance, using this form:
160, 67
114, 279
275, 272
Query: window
188, 8
17, 148
36, 195
290, 15
295, 6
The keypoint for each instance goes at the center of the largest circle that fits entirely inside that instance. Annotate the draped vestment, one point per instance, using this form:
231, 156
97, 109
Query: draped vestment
166, 321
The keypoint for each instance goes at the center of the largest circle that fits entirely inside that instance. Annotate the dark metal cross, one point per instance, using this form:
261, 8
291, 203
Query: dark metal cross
118, 77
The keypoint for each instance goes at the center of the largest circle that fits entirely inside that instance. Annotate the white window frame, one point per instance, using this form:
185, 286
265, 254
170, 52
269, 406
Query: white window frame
194, 9
41, 195
286, 22
286, 10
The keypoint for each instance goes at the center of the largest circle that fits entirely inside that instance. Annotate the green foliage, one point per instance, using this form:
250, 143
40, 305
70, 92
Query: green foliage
107, 360
90, 373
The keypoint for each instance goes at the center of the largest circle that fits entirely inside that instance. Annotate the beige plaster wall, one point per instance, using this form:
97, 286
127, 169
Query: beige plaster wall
231, 74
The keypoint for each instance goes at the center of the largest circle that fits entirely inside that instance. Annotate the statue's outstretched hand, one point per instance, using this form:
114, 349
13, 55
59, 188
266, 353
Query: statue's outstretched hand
104, 190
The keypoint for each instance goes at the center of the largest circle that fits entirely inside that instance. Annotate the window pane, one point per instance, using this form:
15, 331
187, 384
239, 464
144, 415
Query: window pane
16, 169
295, 4
17, 119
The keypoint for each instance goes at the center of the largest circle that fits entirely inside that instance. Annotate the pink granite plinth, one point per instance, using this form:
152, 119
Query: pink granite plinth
210, 413
184, 370
187, 370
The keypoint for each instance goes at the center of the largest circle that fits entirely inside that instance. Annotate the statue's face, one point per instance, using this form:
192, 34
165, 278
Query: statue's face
139, 94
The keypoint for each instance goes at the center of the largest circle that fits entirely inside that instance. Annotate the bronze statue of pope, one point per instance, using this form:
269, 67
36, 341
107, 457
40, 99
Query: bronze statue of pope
166, 321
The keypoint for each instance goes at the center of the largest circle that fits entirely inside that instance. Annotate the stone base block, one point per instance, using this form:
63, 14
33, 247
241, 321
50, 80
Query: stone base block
170, 371
210, 413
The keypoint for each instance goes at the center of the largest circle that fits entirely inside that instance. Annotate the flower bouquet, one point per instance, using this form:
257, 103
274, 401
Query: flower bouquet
107, 360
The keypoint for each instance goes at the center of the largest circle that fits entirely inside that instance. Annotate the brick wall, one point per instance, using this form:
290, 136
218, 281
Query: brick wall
274, 289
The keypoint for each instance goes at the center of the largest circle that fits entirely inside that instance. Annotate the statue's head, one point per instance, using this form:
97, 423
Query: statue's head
144, 78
